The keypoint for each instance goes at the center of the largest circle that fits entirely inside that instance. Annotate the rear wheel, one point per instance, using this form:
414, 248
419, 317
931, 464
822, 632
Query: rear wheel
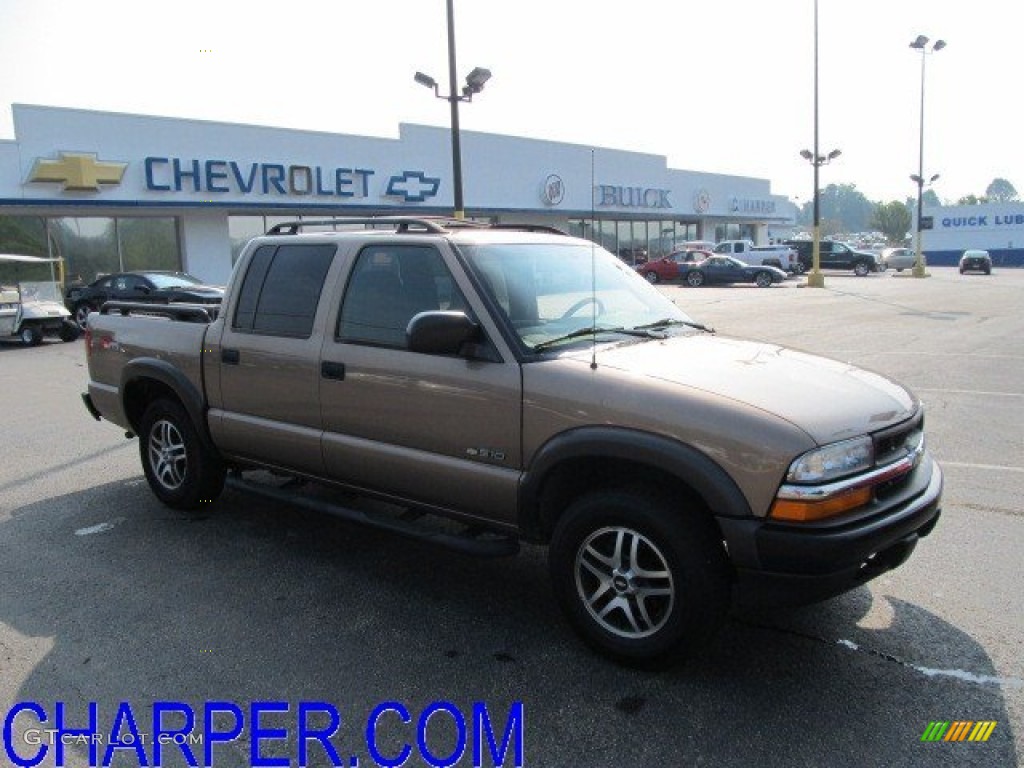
695, 279
82, 311
637, 578
31, 335
181, 471
69, 331
763, 279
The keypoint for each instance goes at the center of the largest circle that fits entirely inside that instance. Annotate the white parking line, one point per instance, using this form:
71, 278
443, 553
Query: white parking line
970, 392
993, 467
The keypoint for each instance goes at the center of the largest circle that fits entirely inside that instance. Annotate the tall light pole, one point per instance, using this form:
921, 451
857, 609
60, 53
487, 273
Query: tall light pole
815, 279
921, 43
474, 84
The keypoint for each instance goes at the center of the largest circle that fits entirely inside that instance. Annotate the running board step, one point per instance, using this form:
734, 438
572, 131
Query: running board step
472, 541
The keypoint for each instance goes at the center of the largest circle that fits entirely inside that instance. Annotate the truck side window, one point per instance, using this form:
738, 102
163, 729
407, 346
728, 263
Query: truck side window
390, 284
281, 290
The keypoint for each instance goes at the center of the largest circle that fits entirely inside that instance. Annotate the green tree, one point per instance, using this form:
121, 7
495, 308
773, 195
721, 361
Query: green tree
972, 200
845, 204
892, 220
1001, 191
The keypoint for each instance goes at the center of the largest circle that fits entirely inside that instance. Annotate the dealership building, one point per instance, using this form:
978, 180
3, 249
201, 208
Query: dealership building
995, 227
110, 192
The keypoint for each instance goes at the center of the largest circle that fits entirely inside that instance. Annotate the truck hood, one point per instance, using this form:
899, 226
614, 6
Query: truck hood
827, 399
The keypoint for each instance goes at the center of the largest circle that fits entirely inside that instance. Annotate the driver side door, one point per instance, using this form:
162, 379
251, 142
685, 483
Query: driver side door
439, 430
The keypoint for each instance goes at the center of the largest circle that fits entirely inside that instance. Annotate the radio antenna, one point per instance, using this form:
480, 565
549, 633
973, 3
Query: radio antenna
593, 270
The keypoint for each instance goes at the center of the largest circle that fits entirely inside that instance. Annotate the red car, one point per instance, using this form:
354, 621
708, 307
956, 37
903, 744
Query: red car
670, 267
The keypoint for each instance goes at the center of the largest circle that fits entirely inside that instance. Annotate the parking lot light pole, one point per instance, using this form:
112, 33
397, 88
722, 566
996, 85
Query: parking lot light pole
921, 43
815, 279
474, 84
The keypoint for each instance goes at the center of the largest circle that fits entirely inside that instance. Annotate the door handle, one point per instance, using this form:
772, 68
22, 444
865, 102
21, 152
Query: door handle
330, 370
230, 356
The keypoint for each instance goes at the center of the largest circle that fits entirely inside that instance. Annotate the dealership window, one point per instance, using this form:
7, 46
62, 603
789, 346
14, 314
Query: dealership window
635, 239
94, 245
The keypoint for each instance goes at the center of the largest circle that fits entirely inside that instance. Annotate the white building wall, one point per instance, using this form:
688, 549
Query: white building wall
206, 246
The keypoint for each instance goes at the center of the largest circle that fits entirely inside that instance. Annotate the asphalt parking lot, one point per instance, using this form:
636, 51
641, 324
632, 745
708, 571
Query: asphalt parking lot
107, 597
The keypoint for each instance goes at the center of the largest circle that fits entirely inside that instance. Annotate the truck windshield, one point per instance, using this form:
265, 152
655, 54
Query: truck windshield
550, 291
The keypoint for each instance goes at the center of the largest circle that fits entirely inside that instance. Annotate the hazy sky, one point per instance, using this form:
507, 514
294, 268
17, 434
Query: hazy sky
723, 86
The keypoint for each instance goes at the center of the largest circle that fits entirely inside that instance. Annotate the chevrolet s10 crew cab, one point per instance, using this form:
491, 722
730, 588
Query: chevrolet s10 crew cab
528, 386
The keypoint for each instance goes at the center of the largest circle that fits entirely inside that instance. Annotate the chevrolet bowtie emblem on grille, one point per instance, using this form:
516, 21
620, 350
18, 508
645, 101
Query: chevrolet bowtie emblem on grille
77, 171
413, 186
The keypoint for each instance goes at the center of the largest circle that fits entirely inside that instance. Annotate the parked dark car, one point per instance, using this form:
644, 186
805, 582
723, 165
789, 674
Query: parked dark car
976, 261
835, 255
154, 287
726, 269
670, 267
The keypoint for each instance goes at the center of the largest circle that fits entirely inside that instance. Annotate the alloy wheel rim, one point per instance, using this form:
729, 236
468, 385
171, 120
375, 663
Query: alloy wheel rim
167, 455
624, 582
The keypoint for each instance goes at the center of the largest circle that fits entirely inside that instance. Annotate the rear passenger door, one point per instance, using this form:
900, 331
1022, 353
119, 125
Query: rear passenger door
267, 362
434, 429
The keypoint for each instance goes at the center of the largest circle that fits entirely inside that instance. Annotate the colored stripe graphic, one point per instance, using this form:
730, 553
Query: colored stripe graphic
982, 730
959, 730
935, 731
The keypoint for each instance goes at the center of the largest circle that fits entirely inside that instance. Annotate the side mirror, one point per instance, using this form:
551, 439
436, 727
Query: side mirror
441, 333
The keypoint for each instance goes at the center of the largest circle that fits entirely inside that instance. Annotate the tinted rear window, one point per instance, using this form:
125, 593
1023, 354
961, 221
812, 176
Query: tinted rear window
281, 290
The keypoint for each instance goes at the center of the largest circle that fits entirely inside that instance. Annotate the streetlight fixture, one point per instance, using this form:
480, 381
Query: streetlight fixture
920, 43
815, 279
475, 81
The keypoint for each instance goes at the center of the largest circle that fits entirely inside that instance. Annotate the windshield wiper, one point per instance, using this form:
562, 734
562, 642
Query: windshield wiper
673, 321
593, 331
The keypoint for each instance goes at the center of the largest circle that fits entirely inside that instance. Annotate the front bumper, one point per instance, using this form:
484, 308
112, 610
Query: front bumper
798, 563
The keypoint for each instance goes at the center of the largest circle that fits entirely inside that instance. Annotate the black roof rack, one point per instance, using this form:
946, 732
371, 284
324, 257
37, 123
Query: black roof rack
432, 224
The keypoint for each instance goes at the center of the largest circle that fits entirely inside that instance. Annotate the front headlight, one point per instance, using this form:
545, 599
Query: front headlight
833, 461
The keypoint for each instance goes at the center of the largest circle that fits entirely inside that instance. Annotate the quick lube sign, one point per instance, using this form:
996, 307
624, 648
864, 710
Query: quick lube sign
1000, 220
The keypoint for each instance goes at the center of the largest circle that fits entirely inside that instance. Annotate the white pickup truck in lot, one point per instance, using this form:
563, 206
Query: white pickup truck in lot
781, 256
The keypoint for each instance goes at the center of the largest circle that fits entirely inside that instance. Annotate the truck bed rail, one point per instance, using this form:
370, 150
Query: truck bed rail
188, 313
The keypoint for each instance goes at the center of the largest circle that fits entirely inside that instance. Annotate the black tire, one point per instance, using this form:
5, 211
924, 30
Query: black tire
81, 313
695, 279
30, 335
677, 601
69, 331
800, 268
181, 471
861, 269
651, 277
763, 280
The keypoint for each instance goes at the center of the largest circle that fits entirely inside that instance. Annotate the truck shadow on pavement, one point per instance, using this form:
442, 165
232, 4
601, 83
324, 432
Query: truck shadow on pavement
109, 597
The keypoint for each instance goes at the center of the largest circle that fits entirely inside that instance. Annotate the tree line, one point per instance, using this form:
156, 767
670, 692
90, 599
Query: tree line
845, 209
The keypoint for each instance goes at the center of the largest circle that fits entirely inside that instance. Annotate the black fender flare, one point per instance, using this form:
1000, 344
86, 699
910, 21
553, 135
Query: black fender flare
690, 465
168, 375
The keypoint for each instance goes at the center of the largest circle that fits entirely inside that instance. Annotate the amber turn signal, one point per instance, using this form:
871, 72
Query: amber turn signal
805, 511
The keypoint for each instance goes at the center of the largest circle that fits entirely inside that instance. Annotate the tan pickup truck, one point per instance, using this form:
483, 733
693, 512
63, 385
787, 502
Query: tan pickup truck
528, 386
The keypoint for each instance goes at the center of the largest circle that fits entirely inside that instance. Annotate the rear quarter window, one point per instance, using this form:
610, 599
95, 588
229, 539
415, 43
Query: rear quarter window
281, 289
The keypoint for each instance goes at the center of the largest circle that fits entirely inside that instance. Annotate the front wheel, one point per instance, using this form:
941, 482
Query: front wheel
181, 471
31, 335
695, 279
861, 269
637, 578
763, 280
652, 277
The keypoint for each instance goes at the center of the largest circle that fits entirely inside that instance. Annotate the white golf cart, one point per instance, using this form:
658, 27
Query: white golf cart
30, 300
